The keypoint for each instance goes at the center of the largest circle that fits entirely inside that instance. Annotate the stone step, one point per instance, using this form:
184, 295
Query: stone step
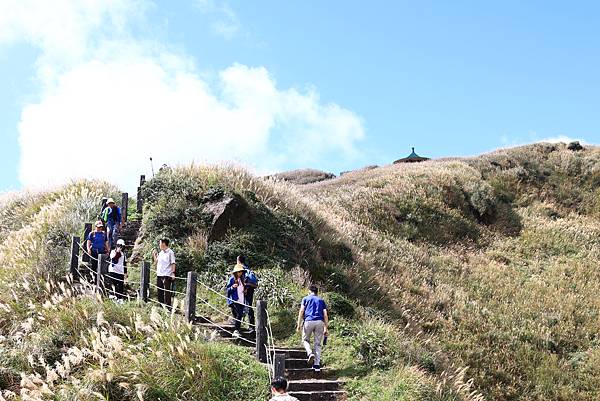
314, 385
297, 363
308, 373
292, 352
235, 341
318, 395
226, 330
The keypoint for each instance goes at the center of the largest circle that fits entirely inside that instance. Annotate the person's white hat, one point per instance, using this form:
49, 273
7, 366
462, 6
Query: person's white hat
110, 200
121, 242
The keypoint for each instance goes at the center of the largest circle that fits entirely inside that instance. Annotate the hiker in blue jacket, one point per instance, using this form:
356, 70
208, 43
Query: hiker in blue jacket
250, 285
235, 296
313, 320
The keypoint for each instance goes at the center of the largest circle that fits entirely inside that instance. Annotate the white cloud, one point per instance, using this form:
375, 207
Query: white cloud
112, 102
66, 31
562, 138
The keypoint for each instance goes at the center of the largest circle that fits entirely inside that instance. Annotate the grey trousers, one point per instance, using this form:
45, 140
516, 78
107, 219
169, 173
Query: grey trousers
316, 328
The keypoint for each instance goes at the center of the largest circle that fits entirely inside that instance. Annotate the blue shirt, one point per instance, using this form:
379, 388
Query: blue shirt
313, 308
98, 239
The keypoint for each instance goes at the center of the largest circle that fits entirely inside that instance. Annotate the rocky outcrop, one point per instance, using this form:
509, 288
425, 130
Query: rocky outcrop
228, 211
575, 146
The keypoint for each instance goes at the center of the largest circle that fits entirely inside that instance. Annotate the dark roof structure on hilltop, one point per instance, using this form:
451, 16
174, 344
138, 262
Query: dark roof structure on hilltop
412, 158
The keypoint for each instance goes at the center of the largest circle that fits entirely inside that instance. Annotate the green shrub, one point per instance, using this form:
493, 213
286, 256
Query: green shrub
376, 345
274, 287
397, 384
339, 305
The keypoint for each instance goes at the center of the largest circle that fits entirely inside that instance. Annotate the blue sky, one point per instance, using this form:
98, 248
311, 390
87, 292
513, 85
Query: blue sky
362, 82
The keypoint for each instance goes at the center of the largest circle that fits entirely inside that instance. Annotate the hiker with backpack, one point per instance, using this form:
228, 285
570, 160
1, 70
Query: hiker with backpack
117, 270
111, 216
236, 297
250, 285
97, 244
313, 321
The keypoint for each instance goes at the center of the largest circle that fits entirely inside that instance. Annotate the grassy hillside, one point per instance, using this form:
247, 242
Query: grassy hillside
494, 258
458, 279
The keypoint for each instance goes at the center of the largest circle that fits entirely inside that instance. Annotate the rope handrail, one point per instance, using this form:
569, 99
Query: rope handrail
123, 281
114, 291
158, 303
87, 253
228, 332
270, 364
271, 340
223, 313
166, 290
102, 280
112, 278
223, 296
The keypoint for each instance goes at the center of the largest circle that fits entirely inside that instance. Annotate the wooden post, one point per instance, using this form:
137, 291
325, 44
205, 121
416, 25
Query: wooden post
139, 204
190, 297
140, 197
75, 258
279, 365
261, 330
124, 205
86, 232
101, 272
144, 282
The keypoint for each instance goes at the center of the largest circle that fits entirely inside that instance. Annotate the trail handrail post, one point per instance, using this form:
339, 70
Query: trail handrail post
140, 200
190, 297
101, 271
279, 365
144, 282
124, 205
139, 204
87, 229
261, 330
74, 268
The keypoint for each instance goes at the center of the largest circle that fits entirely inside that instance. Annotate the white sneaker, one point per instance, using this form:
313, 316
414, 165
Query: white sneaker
310, 360
236, 334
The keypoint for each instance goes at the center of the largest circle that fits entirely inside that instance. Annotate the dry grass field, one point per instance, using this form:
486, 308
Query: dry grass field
458, 279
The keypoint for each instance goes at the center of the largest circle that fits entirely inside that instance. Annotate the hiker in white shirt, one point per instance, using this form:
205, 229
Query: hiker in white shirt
165, 272
117, 271
279, 390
